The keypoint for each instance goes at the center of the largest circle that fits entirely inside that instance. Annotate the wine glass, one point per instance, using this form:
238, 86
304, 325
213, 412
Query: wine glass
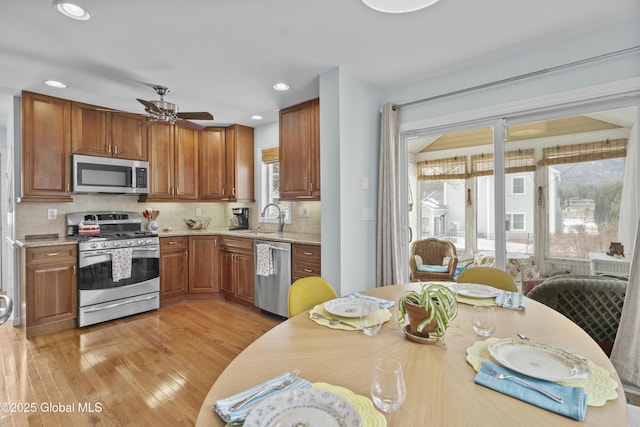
483, 320
371, 322
388, 390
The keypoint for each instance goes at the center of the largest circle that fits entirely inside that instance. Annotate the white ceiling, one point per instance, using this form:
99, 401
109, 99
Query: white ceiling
223, 56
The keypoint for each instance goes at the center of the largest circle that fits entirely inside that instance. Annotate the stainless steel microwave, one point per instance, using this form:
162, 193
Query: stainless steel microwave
93, 174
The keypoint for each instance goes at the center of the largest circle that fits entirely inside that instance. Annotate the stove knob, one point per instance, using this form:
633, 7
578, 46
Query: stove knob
149, 241
93, 245
140, 242
129, 243
104, 244
116, 243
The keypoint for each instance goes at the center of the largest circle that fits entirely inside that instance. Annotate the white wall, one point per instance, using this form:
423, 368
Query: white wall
349, 138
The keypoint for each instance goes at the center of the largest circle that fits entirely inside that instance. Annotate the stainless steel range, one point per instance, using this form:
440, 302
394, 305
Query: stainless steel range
118, 265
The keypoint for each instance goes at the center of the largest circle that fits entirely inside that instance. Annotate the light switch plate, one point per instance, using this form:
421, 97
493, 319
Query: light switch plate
198, 211
303, 212
52, 213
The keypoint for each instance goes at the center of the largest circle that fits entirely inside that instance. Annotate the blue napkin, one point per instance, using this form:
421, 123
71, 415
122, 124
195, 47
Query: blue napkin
511, 300
575, 399
222, 406
382, 303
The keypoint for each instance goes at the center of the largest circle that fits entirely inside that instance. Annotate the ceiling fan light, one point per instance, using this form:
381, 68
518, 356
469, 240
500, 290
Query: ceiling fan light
398, 6
71, 10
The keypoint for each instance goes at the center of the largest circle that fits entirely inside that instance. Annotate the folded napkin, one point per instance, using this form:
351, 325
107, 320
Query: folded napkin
382, 303
511, 300
222, 406
575, 399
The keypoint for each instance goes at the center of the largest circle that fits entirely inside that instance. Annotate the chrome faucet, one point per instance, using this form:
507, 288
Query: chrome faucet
280, 216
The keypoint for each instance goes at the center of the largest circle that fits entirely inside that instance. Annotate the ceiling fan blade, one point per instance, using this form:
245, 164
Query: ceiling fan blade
150, 106
189, 125
196, 115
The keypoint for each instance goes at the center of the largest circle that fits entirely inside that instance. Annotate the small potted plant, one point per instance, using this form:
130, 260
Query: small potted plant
429, 310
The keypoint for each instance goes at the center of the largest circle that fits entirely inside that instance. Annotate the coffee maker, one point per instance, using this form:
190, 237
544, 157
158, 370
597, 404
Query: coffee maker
242, 219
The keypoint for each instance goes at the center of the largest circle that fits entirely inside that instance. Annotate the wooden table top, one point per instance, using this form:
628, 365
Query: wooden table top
439, 381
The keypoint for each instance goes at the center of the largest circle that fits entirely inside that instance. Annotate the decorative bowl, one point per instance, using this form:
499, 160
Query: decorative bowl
198, 223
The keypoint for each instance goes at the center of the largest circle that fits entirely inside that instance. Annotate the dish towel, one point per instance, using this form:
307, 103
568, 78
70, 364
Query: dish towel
575, 399
264, 261
382, 303
512, 300
222, 406
121, 263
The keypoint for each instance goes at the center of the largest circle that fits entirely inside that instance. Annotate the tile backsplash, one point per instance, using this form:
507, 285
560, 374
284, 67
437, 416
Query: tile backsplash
32, 217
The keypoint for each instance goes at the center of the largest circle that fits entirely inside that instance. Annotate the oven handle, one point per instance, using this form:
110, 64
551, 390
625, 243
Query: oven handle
95, 254
118, 304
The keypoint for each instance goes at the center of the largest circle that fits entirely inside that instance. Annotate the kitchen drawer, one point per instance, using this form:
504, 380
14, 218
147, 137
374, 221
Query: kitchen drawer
237, 243
304, 269
49, 254
306, 253
174, 243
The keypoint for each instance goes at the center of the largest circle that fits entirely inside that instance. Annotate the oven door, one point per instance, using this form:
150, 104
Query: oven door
95, 268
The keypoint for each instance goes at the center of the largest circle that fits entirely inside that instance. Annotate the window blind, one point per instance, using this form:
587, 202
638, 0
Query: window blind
586, 152
451, 168
514, 161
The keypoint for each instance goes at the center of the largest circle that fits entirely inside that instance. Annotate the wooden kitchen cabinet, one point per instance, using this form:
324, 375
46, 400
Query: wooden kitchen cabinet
46, 149
204, 264
211, 163
239, 164
98, 132
51, 288
299, 155
174, 266
306, 261
173, 163
236, 268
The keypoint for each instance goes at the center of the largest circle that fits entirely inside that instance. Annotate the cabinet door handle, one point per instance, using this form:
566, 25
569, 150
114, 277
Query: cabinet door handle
233, 191
53, 254
307, 270
308, 253
115, 149
74, 270
109, 149
173, 243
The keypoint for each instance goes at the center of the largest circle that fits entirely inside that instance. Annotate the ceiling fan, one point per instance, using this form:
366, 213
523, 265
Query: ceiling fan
165, 111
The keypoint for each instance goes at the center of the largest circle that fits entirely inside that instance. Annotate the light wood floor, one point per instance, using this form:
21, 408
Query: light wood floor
152, 369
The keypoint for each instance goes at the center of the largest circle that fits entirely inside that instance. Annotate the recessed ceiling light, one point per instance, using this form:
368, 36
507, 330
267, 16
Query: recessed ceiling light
55, 83
281, 86
398, 6
71, 10
256, 117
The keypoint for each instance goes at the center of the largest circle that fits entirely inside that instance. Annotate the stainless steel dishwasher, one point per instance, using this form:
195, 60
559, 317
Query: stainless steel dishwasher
273, 276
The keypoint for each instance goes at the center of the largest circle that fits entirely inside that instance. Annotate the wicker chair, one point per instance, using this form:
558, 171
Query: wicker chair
432, 252
592, 302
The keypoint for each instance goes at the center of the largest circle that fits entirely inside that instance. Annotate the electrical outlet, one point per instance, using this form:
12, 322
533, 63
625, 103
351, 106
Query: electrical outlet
303, 212
52, 213
198, 211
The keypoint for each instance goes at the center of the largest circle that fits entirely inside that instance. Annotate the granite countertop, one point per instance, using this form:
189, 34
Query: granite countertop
43, 242
286, 236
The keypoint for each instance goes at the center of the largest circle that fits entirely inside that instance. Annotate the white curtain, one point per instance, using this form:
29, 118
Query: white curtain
392, 263
625, 355
629, 203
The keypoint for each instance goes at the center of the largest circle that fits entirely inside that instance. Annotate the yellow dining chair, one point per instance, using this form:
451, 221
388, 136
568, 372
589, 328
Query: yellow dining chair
490, 276
308, 292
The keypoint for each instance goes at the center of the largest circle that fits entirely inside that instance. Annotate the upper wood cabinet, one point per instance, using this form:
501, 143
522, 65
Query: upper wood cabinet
46, 148
211, 163
173, 163
98, 132
299, 155
239, 164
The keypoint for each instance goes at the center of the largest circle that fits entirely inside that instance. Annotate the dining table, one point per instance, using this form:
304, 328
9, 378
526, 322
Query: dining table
440, 387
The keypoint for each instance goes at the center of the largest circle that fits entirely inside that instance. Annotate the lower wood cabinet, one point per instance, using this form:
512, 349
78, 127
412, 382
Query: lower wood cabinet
236, 268
51, 285
174, 266
204, 264
305, 261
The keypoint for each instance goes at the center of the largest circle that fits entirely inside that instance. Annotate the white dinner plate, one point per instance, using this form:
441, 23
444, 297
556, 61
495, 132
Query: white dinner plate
539, 360
472, 290
350, 307
304, 407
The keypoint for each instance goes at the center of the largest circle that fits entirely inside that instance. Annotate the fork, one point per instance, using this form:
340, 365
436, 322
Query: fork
500, 376
287, 381
331, 320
